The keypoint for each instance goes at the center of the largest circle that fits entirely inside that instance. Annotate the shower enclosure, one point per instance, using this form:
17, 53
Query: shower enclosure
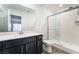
59, 25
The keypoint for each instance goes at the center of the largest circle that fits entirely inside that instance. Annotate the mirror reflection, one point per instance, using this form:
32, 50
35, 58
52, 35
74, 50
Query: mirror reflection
14, 17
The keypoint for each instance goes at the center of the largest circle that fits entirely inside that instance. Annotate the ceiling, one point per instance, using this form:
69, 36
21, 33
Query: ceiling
49, 7
55, 7
18, 7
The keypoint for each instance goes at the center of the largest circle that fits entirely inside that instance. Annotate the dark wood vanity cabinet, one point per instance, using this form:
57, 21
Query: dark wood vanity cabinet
27, 45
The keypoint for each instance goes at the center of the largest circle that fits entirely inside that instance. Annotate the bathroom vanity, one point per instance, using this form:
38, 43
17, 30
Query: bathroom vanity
29, 43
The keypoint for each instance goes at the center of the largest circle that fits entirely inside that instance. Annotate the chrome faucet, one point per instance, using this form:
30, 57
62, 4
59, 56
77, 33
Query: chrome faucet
21, 32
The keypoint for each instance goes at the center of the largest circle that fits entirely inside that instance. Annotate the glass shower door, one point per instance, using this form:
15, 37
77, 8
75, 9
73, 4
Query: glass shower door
54, 28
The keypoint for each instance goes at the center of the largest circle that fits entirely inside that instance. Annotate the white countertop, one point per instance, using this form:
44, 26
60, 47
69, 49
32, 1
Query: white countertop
14, 35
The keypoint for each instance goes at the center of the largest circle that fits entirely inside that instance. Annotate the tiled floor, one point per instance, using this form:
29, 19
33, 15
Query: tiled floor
53, 48
45, 52
55, 52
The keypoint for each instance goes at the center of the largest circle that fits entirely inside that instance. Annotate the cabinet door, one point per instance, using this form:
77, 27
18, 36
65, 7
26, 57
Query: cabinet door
31, 48
39, 46
13, 50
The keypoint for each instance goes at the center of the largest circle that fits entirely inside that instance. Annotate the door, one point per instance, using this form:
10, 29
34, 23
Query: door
31, 48
39, 46
54, 28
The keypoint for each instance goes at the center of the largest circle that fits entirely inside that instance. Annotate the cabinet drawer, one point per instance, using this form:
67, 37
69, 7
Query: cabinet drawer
31, 39
15, 42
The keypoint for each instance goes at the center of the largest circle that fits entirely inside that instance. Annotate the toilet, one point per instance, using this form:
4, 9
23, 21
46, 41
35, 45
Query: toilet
47, 45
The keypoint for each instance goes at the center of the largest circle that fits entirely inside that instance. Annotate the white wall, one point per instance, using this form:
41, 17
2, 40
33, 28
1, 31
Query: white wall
69, 30
41, 20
